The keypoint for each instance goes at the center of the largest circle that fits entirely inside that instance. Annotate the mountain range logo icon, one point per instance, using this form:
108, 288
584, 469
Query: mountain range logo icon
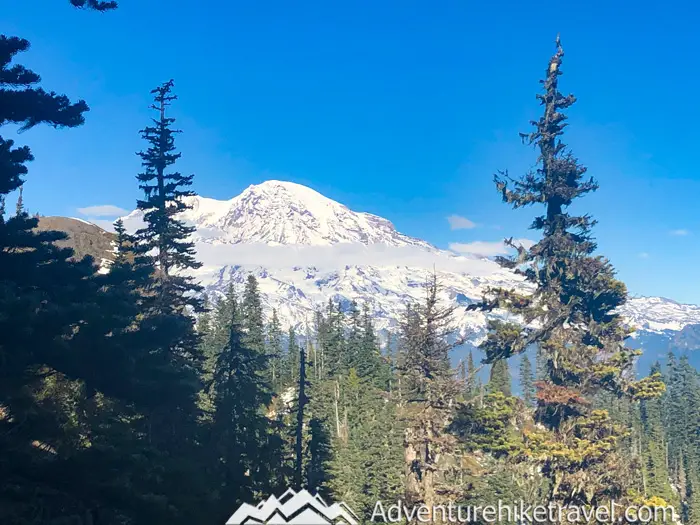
294, 508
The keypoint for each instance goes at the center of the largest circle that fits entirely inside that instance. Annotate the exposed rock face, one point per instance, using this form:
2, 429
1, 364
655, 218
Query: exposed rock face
84, 237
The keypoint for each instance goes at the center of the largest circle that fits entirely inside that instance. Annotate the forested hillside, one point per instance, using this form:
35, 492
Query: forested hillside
132, 397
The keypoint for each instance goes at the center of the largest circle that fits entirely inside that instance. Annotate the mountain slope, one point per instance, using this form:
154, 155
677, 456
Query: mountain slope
84, 237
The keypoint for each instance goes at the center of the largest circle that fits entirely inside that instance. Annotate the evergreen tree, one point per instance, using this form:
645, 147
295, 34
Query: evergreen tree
471, 389
429, 390
167, 323
44, 298
682, 417
245, 453
253, 319
499, 380
19, 207
656, 482
369, 434
274, 350
164, 234
527, 381
319, 456
334, 359
301, 403
292, 361
97, 5
578, 331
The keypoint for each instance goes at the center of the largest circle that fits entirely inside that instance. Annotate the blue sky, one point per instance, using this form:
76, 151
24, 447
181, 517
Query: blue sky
403, 109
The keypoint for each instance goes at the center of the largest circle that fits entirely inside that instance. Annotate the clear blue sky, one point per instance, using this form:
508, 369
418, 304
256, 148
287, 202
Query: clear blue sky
404, 109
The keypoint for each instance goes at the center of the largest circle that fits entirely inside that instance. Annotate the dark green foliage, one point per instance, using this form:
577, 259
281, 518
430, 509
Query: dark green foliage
681, 417
656, 474
302, 400
319, 448
367, 461
97, 5
471, 388
44, 298
491, 427
115, 410
244, 450
527, 381
499, 379
291, 367
275, 352
253, 320
164, 234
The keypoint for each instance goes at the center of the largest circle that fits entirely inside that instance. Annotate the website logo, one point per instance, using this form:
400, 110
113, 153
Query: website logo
294, 508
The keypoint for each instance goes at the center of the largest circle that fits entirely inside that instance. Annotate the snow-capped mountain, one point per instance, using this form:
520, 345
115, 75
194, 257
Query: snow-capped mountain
284, 213
306, 249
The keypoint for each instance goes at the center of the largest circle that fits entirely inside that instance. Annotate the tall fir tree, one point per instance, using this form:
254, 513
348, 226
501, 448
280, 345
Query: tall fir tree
499, 379
172, 295
429, 391
243, 448
578, 331
253, 318
164, 236
527, 381
471, 388
302, 400
654, 459
274, 350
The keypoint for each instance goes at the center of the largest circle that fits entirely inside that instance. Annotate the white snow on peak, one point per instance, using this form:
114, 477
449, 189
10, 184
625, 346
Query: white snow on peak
277, 212
658, 314
82, 220
285, 213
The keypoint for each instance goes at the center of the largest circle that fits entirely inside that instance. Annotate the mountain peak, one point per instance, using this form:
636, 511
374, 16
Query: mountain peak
278, 212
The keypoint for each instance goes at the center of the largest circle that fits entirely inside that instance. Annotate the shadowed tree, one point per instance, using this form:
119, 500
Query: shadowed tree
97, 5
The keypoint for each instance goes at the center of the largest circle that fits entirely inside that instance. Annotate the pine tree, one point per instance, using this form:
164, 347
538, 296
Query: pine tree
97, 5
578, 331
654, 447
171, 295
369, 434
429, 390
292, 358
173, 376
331, 341
527, 381
471, 389
302, 400
319, 447
164, 234
499, 379
240, 429
683, 427
19, 207
274, 350
253, 319
43, 299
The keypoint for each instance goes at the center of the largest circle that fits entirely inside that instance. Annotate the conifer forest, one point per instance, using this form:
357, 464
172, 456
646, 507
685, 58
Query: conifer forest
133, 397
